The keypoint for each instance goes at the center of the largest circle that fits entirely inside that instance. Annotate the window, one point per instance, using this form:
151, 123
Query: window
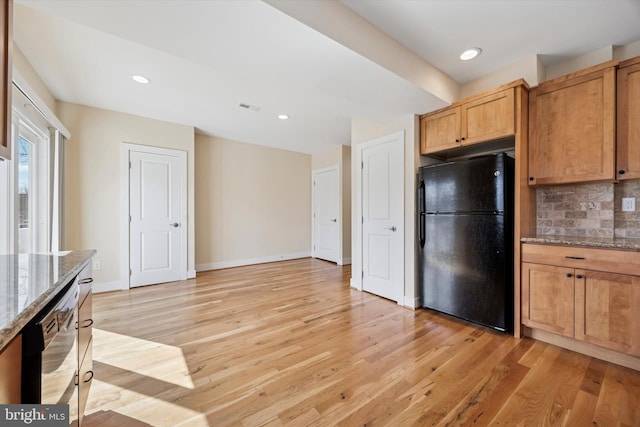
26, 183
33, 181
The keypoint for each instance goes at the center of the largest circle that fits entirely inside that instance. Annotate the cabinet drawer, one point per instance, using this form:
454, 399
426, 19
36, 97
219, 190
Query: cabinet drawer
609, 260
85, 326
85, 281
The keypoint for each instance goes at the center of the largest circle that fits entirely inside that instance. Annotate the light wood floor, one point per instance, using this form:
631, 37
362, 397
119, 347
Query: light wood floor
290, 343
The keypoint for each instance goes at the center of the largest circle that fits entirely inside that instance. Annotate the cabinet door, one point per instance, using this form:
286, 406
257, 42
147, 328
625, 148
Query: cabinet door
488, 118
6, 41
548, 298
572, 129
607, 307
10, 371
85, 378
440, 131
628, 162
85, 327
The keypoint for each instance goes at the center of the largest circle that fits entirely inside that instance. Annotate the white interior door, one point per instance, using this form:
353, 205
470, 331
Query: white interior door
326, 218
382, 220
155, 218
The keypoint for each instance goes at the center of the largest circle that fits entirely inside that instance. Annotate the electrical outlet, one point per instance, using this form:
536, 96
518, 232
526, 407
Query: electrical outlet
628, 204
97, 265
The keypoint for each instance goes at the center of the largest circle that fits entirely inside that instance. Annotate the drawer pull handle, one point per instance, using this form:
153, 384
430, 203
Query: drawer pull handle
568, 274
574, 257
578, 276
85, 281
85, 379
87, 323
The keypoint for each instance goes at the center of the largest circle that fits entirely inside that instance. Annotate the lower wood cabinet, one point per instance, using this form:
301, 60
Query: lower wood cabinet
10, 371
607, 310
85, 339
84, 381
593, 306
548, 298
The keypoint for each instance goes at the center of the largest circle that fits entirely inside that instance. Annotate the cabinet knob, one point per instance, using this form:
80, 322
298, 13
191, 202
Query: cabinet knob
578, 276
457, 140
531, 178
462, 138
568, 275
621, 172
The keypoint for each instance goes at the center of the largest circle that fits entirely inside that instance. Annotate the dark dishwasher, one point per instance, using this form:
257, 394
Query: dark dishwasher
50, 355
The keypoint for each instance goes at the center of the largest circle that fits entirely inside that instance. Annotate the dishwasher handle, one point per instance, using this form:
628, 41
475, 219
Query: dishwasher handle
67, 309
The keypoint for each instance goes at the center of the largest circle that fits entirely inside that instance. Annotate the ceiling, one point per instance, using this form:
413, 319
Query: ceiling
205, 57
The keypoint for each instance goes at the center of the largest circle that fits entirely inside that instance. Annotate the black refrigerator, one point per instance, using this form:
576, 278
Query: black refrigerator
465, 239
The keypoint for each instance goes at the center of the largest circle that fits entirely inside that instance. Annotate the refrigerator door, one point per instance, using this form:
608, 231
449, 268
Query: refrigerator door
464, 270
474, 185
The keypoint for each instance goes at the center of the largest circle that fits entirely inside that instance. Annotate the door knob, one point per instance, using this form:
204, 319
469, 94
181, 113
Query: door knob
334, 220
175, 224
392, 228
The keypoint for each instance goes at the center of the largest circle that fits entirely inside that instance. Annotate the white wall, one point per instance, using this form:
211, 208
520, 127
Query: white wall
533, 70
253, 203
363, 130
92, 184
527, 68
22, 66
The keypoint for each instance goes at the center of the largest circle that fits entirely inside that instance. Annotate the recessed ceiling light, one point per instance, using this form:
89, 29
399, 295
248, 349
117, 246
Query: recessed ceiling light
470, 53
141, 79
283, 116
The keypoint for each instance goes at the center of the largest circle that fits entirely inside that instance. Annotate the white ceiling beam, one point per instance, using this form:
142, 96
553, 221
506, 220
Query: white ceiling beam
341, 24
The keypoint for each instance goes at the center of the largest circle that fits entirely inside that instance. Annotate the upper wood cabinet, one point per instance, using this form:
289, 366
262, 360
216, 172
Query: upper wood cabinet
487, 118
484, 117
6, 37
628, 124
572, 127
440, 131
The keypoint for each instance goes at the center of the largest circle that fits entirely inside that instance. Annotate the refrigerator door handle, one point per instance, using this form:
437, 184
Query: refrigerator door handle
421, 214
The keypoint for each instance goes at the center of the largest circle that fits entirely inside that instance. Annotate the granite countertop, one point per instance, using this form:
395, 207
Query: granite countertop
29, 281
593, 242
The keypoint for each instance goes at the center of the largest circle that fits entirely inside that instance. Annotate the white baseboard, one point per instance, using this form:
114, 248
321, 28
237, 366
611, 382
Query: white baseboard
191, 274
250, 261
106, 287
355, 284
411, 302
346, 261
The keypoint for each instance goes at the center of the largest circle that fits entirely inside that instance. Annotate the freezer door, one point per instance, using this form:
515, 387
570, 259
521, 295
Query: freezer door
466, 186
464, 270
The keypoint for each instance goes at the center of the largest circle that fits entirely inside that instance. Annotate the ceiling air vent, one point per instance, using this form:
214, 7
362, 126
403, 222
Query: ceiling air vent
249, 107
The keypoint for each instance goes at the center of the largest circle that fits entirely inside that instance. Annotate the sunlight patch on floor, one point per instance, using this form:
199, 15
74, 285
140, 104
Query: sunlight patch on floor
160, 361
108, 397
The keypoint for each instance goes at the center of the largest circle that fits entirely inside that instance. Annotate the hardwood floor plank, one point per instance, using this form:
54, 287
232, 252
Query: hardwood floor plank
484, 401
583, 409
290, 343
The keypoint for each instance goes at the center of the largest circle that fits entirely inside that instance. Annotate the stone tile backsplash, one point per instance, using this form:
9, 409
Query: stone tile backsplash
627, 224
590, 210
